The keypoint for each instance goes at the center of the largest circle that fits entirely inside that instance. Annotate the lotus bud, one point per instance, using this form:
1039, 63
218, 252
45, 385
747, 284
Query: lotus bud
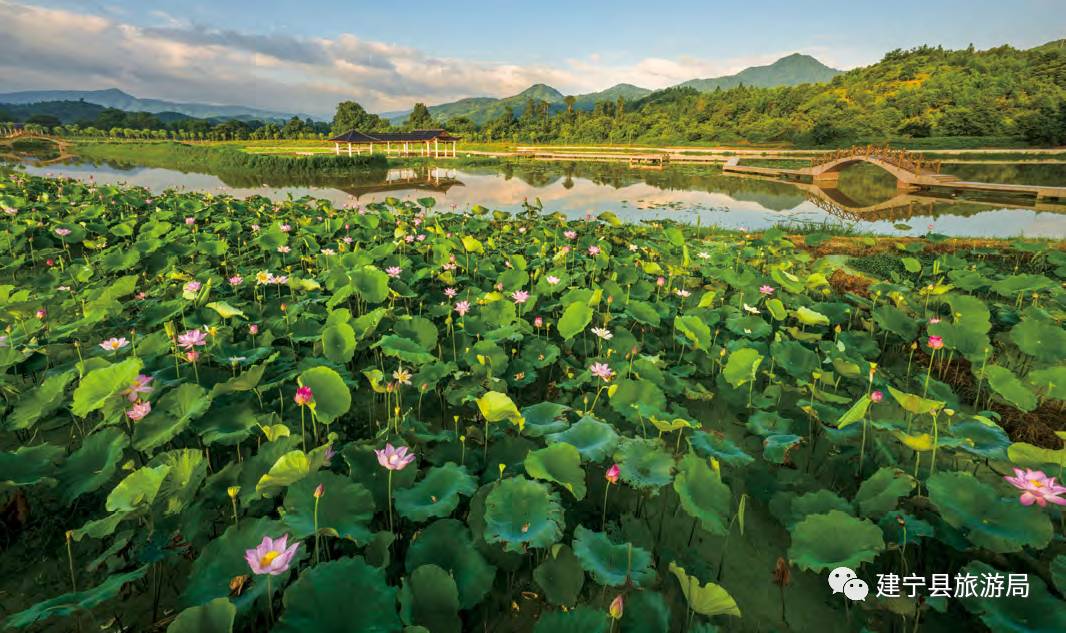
616, 608
502, 468
320, 490
232, 491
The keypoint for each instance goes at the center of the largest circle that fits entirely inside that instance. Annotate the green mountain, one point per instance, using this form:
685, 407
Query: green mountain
628, 92
114, 98
81, 112
792, 70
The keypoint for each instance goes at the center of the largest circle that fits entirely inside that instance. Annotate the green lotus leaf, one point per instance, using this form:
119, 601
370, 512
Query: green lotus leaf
429, 598
1051, 381
643, 313
287, 470
644, 464
39, 402
767, 423
225, 310
447, 544
245, 381
338, 342
881, 491
560, 576
1011, 286
544, 418
611, 564
1058, 572
749, 327
719, 447
29, 465
437, 495
213, 617
1037, 612
1010, 388
708, 599
92, 465
741, 366
72, 603
405, 349
187, 469
332, 398
100, 384
222, 559
790, 508
583, 619
896, 321
344, 510
776, 448
230, 424
371, 284
138, 488
807, 316
915, 404
520, 512
834, 539
795, 358
702, 494
695, 330
558, 463
171, 415
855, 413
988, 441
496, 407
988, 520
321, 600
576, 317
911, 530
645, 612
593, 439
420, 330
1030, 456
629, 394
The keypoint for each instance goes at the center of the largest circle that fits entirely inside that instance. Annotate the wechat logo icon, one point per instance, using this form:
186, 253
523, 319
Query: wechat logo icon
844, 580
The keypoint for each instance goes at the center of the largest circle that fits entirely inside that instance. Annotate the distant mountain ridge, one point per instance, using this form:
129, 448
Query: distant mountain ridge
115, 98
790, 70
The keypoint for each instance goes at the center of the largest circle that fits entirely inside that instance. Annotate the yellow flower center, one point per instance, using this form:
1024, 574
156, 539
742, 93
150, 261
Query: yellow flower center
268, 558
1036, 484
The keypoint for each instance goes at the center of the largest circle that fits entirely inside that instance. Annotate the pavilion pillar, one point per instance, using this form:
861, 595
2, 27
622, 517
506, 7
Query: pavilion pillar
388, 147
455, 145
349, 150
405, 148
337, 149
436, 149
371, 149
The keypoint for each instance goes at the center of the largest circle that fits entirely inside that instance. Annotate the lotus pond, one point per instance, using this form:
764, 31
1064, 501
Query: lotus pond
225, 414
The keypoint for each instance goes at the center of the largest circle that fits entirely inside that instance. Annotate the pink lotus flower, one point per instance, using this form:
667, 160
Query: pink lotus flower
236, 280
408, 238
877, 396
681, 292
189, 221
304, 396
594, 250
271, 556
140, 385
612, 473
552, 280
766, 290
285, 228
192, 356
394, 458
602, 371
253, 329
564, 250
114, 344
192, 286
1037, 488
450, 292
570, 234
462, 307
62, 232
191, 339
402, 376
661, 281
41, 313
934, 321
328, 251
139, 410
284, 249
936, 342
394, 271
603, 333
538, 322
520, 296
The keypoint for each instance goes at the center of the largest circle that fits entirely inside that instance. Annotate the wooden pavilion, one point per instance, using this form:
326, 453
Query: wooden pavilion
425, 142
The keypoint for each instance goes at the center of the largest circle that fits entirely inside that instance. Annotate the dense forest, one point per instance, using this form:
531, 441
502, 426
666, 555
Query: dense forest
920, 93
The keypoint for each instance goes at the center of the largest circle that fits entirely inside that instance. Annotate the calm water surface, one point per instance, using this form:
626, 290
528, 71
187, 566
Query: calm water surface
866, 198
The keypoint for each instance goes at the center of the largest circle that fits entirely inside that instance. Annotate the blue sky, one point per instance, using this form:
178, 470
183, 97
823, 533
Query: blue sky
307, 55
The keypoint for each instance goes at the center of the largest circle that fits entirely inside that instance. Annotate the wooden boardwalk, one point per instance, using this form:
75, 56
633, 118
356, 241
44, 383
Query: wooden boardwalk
912, 173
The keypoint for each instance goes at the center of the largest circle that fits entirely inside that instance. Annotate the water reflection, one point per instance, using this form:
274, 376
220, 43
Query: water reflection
865, 197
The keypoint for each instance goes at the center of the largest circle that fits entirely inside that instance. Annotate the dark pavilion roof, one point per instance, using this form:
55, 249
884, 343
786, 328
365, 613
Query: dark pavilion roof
355, 136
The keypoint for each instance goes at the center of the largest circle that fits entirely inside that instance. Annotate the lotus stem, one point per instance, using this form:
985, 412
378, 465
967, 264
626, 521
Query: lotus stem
389, 497
70, 561
603, 515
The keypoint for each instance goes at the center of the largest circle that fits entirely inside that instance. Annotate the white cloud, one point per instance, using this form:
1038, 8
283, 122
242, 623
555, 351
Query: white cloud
45, 48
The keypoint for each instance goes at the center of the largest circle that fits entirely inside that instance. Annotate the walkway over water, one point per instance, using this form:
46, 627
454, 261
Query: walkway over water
912, 173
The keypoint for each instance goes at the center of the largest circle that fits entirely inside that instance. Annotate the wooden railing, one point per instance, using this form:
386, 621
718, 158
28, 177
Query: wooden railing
909, 161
